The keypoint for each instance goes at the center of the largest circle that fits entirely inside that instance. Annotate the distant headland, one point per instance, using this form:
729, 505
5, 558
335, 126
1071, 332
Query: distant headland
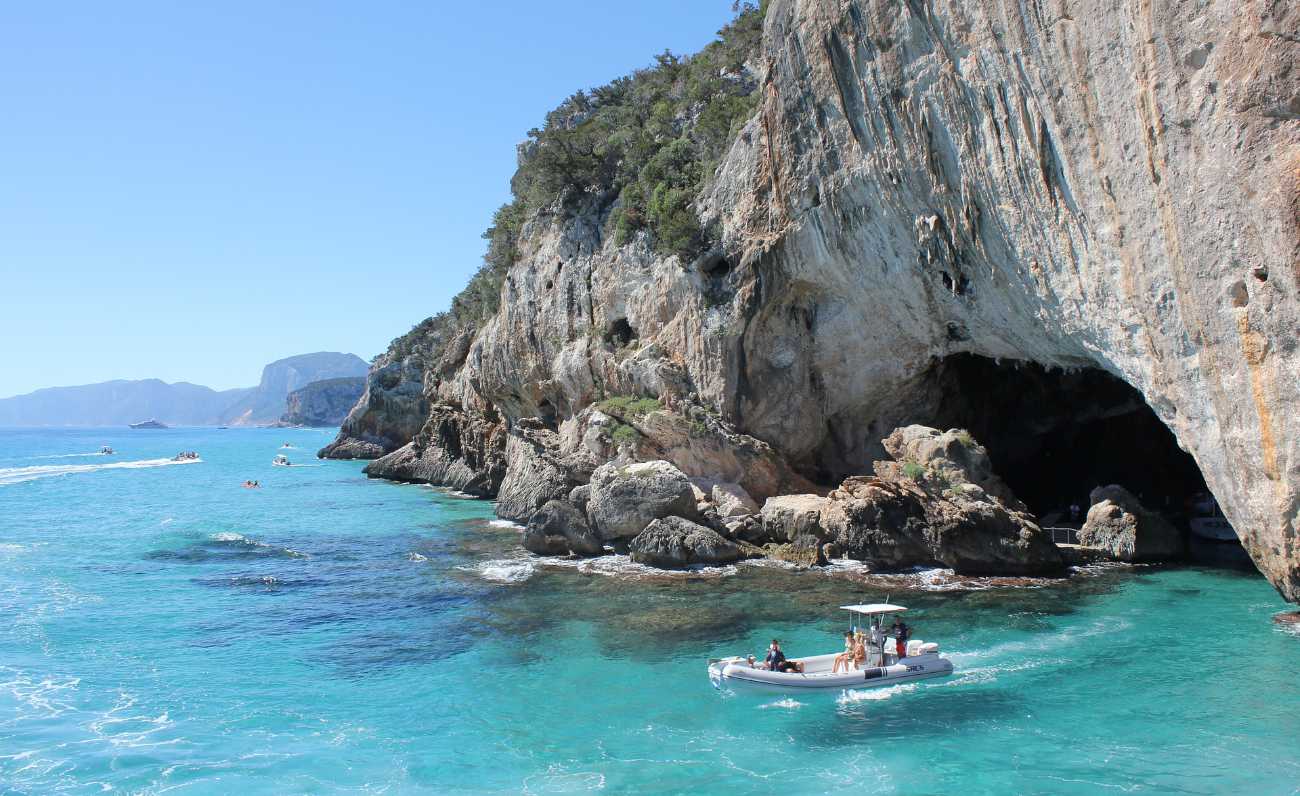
123, 402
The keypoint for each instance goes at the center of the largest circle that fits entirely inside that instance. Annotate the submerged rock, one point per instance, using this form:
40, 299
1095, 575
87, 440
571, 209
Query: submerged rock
805, 551
674, 543
625, 498
1118, 523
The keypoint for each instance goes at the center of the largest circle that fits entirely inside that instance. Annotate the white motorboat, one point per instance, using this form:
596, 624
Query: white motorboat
1207, 520
883, 666
106, 451
281, 461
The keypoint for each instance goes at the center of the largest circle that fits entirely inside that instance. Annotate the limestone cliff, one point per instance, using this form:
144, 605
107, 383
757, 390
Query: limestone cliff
1077, 185
322, 403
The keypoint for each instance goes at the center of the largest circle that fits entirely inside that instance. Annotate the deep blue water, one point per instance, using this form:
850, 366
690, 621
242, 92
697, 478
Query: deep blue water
169, 630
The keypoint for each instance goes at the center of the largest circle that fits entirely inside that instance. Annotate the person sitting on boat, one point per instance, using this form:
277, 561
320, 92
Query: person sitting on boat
859, 651
777, 662
850, 643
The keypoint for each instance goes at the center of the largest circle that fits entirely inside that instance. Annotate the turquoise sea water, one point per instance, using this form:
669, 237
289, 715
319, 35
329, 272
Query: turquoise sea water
168, 630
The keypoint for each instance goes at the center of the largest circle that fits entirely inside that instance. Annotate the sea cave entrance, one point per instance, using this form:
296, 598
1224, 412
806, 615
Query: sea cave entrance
1055, 434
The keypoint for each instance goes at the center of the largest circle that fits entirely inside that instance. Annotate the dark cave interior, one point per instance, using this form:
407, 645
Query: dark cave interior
1053, 434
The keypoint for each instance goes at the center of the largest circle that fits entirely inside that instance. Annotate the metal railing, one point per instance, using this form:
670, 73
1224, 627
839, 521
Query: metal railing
1064, 535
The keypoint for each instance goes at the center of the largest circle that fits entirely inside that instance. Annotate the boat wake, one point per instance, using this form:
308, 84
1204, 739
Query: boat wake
18, 475
69, 455
854, 696
787, 703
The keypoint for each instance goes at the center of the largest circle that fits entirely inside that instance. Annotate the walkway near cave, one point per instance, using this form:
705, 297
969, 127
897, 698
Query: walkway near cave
1067, 541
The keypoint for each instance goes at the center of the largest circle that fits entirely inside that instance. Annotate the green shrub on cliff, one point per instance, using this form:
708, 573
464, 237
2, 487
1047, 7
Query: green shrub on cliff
649, 141
629, 406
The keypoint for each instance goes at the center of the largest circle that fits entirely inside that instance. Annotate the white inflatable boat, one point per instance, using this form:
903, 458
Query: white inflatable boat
882, 667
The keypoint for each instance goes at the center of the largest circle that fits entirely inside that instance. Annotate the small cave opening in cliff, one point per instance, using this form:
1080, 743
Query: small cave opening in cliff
1053, 435
619, 333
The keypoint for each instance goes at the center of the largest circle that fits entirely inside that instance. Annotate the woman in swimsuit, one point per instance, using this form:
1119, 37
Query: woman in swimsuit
844, 657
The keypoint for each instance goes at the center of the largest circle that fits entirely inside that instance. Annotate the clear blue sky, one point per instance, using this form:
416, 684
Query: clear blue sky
189, 191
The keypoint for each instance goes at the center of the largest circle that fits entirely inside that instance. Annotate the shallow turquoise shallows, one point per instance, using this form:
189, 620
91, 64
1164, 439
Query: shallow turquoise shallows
166, 629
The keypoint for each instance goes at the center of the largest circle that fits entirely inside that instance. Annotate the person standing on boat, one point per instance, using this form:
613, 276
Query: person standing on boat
901, 632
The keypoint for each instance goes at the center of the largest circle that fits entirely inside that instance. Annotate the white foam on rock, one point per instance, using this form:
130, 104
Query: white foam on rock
503, 570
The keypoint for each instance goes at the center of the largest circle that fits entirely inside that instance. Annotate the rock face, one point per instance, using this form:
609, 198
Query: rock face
1118, 522
1084, 188
465, 451
322, 403
674, 543
392, 408
626, 498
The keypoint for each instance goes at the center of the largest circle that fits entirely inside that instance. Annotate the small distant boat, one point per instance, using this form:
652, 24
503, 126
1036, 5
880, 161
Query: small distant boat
150, 423
107, 451
1206, 520
920, 662
287, 445
281, 461
186, 456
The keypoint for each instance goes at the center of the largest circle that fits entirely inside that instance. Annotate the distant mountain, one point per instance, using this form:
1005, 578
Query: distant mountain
323, 403
266, 402
121, 402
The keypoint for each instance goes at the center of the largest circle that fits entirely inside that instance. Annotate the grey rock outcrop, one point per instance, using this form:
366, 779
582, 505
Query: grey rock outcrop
942, 505
1118, 522
389, 413
731, 500
625, 498
788, 516
458, 449
558, 528
675, 543
534, 476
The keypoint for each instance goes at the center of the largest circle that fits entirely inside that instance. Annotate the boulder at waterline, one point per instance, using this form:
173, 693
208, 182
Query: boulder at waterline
558, 527
625, 498
787, 516
731, 500
1118, 523
939, 504
674, 543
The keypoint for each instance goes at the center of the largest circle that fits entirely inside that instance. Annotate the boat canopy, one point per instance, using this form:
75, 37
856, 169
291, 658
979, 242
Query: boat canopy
874, 608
